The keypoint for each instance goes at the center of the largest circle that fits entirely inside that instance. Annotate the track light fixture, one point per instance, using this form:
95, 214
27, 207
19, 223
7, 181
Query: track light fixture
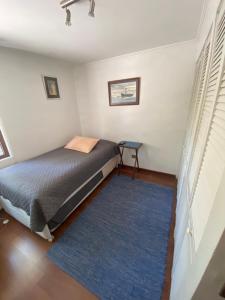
92, 9
66, 3
68, 17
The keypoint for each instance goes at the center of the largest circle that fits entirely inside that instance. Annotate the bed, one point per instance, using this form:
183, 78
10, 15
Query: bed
42, 192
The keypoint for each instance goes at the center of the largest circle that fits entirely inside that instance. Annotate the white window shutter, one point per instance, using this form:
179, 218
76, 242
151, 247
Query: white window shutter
198, 90
208, 95
207, 177
203, 163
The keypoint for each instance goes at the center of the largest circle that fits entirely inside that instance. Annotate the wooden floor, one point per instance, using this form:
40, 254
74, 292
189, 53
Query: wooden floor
27, 274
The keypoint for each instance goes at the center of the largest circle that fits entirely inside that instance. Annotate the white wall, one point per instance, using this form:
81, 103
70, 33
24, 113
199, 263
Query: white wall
33, 124
160, 119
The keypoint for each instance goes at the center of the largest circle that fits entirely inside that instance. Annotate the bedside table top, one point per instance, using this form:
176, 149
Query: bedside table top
130, 145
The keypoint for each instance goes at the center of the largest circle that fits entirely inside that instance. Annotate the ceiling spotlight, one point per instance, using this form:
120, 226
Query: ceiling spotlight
66, 3
92, 8
68, 17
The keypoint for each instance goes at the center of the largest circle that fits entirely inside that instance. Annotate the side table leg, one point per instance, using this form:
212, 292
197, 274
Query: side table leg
137, 160
136, 163
121, 160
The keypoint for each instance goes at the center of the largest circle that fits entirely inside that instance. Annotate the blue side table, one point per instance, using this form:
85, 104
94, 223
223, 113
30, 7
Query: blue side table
129, 145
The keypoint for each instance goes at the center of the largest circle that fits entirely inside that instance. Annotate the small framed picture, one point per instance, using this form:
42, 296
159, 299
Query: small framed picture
51, 87
124, 92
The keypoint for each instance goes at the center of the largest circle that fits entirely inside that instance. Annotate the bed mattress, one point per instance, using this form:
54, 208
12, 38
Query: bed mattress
41, 185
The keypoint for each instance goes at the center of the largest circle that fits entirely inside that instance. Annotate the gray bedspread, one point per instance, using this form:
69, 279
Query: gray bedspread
40, 186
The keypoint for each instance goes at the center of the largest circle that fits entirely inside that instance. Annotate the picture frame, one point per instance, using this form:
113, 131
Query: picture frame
51, 87
124, 91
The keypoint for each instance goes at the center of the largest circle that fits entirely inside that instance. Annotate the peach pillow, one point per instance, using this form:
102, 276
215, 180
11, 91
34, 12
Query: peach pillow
82, 144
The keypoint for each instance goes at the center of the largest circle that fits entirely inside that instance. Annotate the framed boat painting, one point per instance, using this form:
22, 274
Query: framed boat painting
124, 92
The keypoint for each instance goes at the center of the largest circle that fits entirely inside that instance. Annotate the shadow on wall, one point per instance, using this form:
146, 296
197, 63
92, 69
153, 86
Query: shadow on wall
145, 155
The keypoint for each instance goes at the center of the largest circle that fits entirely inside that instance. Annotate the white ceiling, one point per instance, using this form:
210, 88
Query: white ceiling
120, 26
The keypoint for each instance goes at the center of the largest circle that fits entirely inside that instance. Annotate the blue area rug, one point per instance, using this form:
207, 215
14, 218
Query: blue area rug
117, 247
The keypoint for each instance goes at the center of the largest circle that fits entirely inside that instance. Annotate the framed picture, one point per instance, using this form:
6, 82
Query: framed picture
124, 92
51, 87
